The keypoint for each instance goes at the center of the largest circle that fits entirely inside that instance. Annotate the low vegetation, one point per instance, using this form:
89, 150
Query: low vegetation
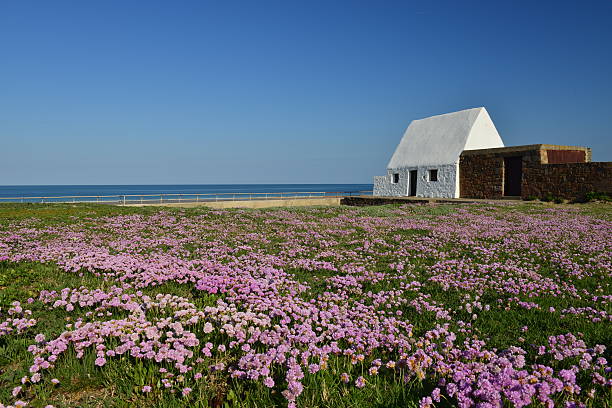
392, 306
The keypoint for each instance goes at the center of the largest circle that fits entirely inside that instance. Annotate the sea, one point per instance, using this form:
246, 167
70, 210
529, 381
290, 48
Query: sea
52, 193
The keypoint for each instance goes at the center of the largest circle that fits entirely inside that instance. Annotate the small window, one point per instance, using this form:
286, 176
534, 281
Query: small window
433, 175
395, 178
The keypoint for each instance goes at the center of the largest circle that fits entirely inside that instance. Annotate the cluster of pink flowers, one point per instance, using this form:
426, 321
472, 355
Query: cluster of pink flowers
295, 291
594, 315
18, 320
156, 329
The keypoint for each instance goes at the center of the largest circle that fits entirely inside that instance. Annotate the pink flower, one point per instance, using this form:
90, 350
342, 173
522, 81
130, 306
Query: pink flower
100, 361
426, 402
435, 394
146, 388
360, 382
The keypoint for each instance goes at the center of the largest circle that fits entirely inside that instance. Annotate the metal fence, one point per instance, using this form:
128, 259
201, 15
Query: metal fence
183, 198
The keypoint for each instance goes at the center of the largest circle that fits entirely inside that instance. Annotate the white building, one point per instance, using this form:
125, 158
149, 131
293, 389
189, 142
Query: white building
426, 161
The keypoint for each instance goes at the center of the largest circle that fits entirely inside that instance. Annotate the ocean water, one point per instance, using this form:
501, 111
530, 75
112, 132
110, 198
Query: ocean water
170, 191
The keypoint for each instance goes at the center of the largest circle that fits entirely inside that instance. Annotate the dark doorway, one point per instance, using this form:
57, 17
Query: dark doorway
513, 175
413, 183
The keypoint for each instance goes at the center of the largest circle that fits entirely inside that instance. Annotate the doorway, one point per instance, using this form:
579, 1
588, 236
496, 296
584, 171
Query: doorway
413, 183
513, 175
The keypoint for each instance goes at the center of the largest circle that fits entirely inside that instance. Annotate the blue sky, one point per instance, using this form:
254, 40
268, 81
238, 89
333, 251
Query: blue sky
116, 92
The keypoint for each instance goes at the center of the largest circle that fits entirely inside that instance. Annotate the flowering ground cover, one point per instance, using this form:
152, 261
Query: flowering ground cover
475, 305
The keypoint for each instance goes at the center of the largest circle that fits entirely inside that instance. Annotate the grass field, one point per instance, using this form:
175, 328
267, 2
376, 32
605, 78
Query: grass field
474, 305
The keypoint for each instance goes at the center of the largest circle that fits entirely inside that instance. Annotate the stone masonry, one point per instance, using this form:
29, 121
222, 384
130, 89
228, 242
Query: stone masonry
567, 180
482, 172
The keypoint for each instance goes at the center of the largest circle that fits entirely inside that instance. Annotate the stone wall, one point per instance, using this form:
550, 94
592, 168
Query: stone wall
384, 185
445, 187
567, 180
368, 201
481, 176
481, 173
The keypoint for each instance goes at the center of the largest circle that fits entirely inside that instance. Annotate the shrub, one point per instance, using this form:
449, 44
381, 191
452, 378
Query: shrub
597, 196
558, 200
530, 198
548, 197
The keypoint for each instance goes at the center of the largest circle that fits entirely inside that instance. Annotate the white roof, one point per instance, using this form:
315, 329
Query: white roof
440, 139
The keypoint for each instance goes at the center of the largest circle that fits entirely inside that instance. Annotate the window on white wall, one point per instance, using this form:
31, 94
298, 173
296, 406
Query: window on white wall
395, 178
433, 175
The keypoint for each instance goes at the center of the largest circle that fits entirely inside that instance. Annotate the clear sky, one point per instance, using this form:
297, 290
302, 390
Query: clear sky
128, 92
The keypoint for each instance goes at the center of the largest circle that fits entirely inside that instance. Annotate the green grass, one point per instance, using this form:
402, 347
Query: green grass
118, 384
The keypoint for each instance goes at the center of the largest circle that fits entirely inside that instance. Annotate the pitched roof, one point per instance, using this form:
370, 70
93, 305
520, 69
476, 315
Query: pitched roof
440, 139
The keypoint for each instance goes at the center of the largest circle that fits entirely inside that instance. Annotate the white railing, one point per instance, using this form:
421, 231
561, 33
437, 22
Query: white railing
182, 198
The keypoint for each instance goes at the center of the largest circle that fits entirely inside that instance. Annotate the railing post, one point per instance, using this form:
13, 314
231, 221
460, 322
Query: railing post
123, 200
